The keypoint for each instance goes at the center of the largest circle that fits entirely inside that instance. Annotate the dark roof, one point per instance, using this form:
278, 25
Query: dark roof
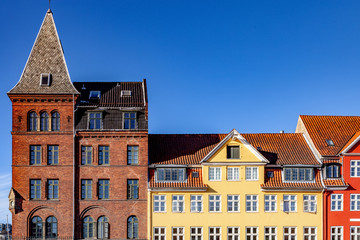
283, 148
111, 94
340, 129
46, 57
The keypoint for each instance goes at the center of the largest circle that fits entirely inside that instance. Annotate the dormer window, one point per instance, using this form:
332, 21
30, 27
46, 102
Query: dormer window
233, 152
125, 93
298, 174
95, 120
333, 171
195, 174
94, 95
45, 79
170, 174
330, 142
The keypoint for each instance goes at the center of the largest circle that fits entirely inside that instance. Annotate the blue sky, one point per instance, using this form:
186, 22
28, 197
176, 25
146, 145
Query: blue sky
211, 66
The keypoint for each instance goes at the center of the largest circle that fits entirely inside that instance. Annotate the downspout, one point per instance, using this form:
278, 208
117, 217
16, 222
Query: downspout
73, 234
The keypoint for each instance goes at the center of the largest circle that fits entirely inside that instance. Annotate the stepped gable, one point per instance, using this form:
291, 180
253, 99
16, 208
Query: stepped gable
46, 57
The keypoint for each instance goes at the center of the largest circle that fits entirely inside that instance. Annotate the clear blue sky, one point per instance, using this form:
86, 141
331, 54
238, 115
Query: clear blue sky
211, 65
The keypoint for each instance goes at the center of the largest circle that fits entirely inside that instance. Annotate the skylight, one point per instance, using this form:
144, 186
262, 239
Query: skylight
94, 95
125, 93
330, 142
45, 79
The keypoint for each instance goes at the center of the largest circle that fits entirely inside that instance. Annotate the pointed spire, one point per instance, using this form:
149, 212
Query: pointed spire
46, 57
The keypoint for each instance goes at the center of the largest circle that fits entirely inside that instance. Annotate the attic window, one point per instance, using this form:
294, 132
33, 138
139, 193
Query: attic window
45, 79
195, 174
330, 142
94, 95
270, 174
125, 93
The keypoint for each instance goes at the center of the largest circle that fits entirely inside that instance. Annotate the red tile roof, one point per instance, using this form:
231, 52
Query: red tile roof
276, 182
339, 129
334, 182
191, 182
283, 148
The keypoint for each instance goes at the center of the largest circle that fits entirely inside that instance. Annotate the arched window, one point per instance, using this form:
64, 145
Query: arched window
32, 121
132, 227
44, 121
103, 228
55, 121
36, 227
333, 171
88, 227
51, 227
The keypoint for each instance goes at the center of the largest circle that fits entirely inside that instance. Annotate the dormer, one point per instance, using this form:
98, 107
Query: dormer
45, 79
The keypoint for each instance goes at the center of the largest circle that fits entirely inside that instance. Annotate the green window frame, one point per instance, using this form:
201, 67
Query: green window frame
86, 155
53, 189
86, 189
132, 155
104, 188
35, 154
53, 155
130, 121
133, 189
95, 120
35, 189
104, 155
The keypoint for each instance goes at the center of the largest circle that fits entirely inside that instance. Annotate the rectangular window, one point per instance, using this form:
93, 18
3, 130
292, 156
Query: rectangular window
355, 168
310, 233
132, 155
95, 120
289, 203
355, 202
336, 233
159, 233
214, 233
53, 155
309, 203
354, 232
233, 174
333, 171
159, 203
86, 155
233, 152
233, 203
251, 233
178, 203
53, 189
252, 173
196, 233
233, 233
290, 233
35, 189
86, 189
270, 203
214, 174
270, 233
196, 203
336, 202
133, 189
214, 203
104, 188
170, 174
35, 155
251, 203
177, 233
299, 174
130, 120
104, 155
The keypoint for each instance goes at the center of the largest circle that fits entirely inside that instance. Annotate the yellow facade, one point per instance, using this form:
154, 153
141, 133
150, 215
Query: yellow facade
242, 187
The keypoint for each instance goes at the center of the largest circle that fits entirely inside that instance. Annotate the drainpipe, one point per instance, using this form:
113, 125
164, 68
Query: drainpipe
73, 234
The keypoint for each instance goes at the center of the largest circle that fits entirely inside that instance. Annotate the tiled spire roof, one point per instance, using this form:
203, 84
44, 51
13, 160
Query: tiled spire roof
46, 56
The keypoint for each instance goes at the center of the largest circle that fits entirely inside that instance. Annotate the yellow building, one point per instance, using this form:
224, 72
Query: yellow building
235, 186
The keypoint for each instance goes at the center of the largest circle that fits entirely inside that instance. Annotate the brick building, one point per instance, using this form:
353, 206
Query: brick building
79, 151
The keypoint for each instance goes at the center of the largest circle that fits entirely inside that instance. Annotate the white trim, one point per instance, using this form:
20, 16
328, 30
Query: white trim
312, 149
171, 189
234, 164
354, 219
350, 146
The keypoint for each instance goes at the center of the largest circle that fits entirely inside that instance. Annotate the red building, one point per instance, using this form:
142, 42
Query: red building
336, 141
79, 151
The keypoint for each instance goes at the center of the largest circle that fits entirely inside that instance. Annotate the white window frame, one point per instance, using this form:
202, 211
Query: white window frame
179, 235
272, 202
159, 235
216, 201
291, 200
254, 235
336, 200
233, 201
338, 234
354, 202
161, 200
356, 233
197, 235
233, 174
310, 203
215, 235
309, 234
178, 203
196, 202
252, 200
270, 234
234, 234
252, 173
214, 173
355, 168
289, 235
